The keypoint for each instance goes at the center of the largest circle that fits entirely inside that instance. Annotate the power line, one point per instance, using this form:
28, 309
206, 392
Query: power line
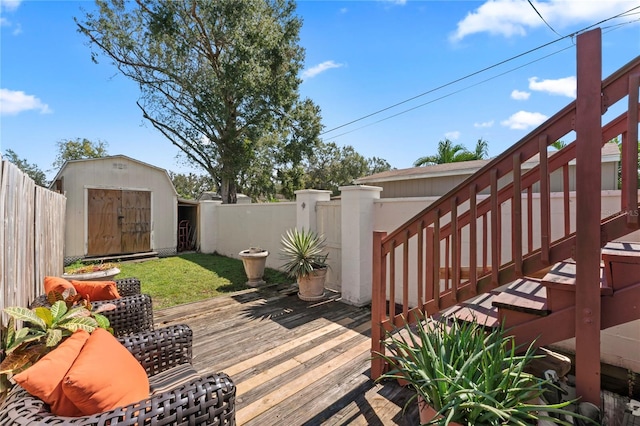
543, 20
453, 93
572, 35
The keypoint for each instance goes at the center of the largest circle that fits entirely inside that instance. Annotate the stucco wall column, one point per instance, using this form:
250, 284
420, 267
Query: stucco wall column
357, 242
306, 199
208, 220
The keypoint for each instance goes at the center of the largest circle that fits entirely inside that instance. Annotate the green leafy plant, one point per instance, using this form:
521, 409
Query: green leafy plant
45, 327
303, 252
470, 376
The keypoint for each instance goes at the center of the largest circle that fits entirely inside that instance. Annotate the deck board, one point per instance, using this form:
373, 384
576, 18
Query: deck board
293, 362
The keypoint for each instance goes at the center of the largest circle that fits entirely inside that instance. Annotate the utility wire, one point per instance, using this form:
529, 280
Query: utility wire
454, 92
572, 35
543, 20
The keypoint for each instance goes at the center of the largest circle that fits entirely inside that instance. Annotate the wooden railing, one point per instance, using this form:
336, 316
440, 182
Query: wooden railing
496, 225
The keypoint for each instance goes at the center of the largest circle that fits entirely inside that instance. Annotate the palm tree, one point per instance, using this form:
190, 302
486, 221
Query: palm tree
450, 153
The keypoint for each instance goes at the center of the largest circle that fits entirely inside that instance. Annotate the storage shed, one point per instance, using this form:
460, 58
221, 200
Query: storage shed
117, 206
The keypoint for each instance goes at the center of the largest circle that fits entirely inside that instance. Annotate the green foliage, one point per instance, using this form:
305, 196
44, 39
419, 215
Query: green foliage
191, 186
468, 375
218, 78
45, 327
450, 153
302, 252
78, 149
31, 169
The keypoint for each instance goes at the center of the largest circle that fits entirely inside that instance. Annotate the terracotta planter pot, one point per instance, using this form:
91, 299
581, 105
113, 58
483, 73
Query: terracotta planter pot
311, 287
106, 275
254, 261
427, 413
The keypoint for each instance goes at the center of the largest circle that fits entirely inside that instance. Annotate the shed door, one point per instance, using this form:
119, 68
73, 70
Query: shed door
118, 222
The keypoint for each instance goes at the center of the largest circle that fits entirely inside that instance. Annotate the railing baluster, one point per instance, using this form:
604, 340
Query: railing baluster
392, 280
405, 274
516, 217
567, 212
420, 259
495, 256
545, 202
473, 239
436, 259
431, 256
447, 265
529, 219
455, 264
485, 243
630, 149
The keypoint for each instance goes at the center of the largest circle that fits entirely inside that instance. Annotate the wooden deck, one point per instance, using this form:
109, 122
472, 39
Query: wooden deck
293, 362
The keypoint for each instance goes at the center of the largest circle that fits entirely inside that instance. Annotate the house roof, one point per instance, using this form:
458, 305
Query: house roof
610, 153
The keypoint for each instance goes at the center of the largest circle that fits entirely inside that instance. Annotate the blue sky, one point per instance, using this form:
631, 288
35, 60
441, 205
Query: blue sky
361, 57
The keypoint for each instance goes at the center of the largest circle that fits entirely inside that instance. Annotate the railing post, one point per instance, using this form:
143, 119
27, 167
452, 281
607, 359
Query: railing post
588, 202
378, 304
630, 154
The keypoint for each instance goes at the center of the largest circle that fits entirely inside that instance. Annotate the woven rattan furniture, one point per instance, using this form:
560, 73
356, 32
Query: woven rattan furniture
190, 399
133, 313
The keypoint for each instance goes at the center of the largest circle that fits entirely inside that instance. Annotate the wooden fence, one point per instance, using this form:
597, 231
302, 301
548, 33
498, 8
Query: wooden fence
31, 236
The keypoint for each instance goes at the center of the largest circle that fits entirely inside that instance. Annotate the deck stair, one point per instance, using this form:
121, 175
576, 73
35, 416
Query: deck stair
529, 301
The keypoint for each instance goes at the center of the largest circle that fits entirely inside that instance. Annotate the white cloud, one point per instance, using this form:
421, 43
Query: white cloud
483, 125
562, 86
520, 96
452, 135
9, 5
398, 2
320, 68
515, 17
344, 10
13, 102
522, 120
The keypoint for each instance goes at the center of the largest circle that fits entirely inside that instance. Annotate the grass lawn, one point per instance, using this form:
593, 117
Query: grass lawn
191, 277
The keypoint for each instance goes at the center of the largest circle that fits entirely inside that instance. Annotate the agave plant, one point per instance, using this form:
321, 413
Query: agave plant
45, 327
470, 376
303, 252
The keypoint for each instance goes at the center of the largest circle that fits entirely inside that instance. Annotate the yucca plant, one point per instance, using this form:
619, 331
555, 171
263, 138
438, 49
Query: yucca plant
44, 327
303, 252
470, 376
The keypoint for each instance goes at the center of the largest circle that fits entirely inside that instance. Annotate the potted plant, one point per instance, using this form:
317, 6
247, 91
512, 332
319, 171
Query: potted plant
92, 272
45, 327
254, 260
305, 261
465, 375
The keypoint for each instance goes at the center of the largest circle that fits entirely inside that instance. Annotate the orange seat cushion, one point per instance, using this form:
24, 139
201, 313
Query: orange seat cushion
44, 378
96, 290
58, 284
105, 376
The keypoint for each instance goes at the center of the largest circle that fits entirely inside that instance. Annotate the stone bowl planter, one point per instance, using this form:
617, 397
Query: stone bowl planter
105, 275
254, 260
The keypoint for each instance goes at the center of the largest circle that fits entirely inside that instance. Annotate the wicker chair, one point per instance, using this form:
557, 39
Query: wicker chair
133, 313
179, 396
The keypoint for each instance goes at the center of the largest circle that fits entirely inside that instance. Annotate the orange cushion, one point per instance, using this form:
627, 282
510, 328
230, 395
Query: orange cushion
44, 378
58, 284
105, 376
96, 290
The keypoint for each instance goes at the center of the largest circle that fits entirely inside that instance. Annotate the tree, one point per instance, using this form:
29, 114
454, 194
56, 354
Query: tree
32, 170
450, 153
331, 167
559, 144
191, 186
77, 149
216, 78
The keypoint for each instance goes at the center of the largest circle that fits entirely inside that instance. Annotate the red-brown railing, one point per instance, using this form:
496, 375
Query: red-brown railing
460, 246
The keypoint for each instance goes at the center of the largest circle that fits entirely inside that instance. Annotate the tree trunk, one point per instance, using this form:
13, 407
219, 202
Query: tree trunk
228, 191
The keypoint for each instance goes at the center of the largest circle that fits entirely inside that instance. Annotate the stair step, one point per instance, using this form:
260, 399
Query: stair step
621, 264
526, 295
563, 277
478, 309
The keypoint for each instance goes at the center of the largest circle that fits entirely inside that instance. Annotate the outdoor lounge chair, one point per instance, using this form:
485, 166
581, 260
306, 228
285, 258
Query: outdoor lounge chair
133, 313
178, 395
